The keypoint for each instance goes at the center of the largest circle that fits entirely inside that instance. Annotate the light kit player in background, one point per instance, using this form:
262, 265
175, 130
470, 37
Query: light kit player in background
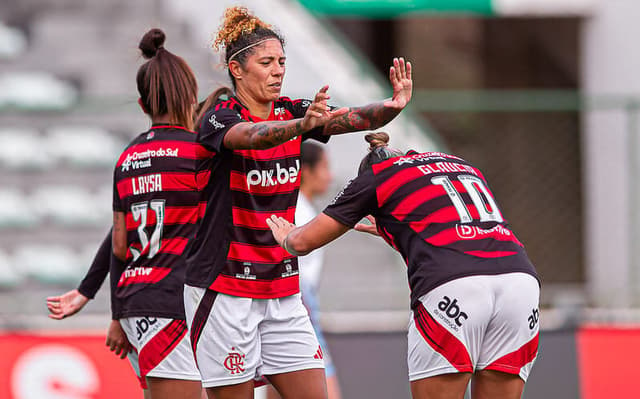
242, 296
473, 288
155, 204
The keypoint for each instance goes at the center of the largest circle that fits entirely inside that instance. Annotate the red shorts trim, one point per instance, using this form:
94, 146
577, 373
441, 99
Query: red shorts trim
442, 341
513, 362
161, 345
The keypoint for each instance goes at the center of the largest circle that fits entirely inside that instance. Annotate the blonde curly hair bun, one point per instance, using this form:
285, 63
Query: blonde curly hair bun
237, 21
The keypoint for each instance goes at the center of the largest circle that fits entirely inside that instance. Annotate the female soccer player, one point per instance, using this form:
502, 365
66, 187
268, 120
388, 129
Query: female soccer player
315, 177
155, 205
474, 292
242, 292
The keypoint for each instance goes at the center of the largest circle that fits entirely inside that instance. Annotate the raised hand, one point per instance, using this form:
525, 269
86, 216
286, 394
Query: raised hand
66, 304
319, 113
400, 77
117, 340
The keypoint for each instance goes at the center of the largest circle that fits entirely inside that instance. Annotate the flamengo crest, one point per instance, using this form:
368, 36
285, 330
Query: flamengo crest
235, 361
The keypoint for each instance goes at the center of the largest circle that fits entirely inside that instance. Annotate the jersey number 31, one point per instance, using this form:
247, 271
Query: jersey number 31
139, 212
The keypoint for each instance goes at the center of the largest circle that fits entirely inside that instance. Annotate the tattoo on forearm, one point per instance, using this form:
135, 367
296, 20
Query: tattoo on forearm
369, 117
266, 135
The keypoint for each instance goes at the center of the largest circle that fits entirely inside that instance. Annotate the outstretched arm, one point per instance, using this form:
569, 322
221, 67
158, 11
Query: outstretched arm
376, 115
320, 231
264, 135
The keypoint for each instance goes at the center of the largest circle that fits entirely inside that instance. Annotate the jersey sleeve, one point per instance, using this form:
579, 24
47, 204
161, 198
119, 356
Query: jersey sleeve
214, 126
116, 267
299, 109
117, 202
98, 271
355, 201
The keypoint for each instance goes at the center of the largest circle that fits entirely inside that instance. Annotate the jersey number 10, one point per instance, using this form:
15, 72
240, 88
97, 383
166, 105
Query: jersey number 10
479, 194
139, 211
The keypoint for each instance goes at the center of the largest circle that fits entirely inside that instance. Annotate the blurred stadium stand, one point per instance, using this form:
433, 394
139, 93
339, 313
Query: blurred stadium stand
15, 212
21, 149
83, 146
48, 264
9, 277
12, 42
38, 90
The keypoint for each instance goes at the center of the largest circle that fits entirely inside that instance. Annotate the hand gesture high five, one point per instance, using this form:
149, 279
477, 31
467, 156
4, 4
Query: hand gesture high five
400, 77
319, 113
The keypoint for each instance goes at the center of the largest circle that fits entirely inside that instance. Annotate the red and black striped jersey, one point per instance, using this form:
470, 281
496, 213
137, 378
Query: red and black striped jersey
156, 186
437, 210
234, 251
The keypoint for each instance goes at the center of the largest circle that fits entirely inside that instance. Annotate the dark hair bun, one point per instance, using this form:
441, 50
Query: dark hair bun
151, 42
378, 139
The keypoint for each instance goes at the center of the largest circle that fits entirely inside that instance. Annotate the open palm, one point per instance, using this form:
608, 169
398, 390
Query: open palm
400, 77
66, 304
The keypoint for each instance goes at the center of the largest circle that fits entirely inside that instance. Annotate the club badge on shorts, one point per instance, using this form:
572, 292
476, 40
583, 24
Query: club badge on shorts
235, 361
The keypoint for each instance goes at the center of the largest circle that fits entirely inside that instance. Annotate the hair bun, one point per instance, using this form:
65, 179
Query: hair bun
378, 139
237, 22
151, 42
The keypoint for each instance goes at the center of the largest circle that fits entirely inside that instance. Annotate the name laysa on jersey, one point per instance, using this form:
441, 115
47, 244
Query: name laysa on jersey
146, 184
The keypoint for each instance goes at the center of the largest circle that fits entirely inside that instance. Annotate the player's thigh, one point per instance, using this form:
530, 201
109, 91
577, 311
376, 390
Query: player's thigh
511, 340
443, 386
489, 384
302, 384
333, 389
242, 390
165, 388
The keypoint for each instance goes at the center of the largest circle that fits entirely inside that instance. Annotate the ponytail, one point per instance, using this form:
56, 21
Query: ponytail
165, 82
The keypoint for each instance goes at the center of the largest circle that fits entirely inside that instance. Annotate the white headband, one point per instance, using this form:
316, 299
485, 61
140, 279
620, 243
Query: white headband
249, 46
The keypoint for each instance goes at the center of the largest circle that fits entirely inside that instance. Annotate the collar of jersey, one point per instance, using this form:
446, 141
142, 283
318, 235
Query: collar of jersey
257, 118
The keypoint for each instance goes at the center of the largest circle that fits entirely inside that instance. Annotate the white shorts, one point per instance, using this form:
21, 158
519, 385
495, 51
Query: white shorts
476, 323
237, 339
162, 348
